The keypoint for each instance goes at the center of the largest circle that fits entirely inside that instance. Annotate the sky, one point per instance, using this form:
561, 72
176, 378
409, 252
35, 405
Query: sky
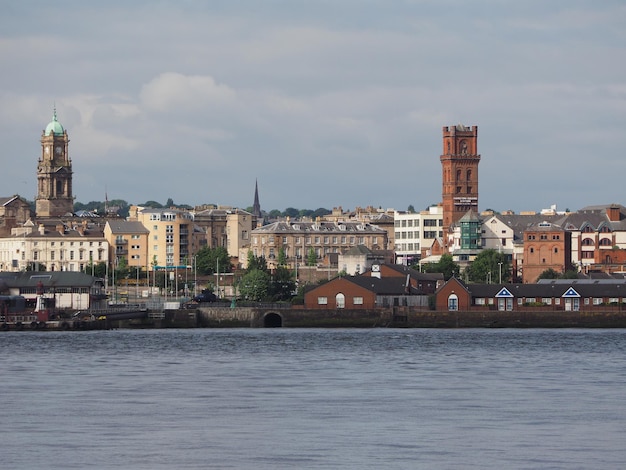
324, 103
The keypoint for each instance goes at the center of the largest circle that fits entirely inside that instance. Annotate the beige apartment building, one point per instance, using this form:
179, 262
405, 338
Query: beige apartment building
226, 227
382, 218
128, 240
324, 238
172, 238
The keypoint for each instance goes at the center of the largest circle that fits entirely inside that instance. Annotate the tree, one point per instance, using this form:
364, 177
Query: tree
282, 257
291, 212
256, 262
254, 285
487, 268
311, 259
548, 274
121, 270
100, 269
153, 204
169, 202
570, 274
445, 266
411, 209
209, 259
282, 284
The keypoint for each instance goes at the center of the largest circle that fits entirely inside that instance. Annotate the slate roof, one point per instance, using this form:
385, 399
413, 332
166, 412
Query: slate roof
48, 279
126, 226
319, 227
550, 289
383, 286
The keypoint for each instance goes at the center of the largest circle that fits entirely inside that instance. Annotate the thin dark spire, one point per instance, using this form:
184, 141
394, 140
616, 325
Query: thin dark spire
256, 207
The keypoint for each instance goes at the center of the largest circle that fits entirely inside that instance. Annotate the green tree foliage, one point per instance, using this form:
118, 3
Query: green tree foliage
153, 204
282, 257
209, 259
486, 268
291, 212
256, 262
549, 274
34, 266
99, 269
411, 209
445, 266
282, 284
254, 285
121, 269
311, 258
570, 274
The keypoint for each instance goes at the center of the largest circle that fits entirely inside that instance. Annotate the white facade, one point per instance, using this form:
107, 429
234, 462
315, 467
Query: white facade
496, 235
415, 232
64, 249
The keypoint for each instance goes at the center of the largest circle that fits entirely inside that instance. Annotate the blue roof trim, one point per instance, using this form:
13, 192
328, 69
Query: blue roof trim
571, 293
504, 292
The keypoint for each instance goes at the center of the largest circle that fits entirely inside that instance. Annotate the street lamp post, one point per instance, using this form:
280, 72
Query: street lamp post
500, 269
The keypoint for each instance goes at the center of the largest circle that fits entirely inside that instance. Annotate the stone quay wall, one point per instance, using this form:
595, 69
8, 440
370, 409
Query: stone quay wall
405, 318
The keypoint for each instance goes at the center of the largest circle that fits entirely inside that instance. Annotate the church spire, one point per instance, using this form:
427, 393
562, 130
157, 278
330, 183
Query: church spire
256, 207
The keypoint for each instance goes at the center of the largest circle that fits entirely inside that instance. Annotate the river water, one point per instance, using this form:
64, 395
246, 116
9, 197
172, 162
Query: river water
313, 399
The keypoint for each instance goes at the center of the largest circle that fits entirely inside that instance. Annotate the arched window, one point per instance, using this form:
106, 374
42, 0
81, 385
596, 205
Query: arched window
340, 300
469, 175
458, 175
588, 242
453, 302
605, 242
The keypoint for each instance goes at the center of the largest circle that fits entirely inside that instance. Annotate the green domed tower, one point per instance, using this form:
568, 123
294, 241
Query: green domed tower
54, 173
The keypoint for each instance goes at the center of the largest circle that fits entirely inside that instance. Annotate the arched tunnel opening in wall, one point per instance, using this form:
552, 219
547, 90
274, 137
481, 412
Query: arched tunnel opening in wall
272, 320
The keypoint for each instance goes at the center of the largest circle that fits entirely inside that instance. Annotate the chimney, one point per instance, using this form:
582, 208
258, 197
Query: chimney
42, 229
613, 214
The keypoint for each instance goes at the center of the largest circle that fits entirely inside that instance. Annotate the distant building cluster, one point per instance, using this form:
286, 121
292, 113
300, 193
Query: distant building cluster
592, 239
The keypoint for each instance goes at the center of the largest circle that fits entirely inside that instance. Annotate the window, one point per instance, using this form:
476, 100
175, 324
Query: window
322, 301
453, 302
357, 301
340, 299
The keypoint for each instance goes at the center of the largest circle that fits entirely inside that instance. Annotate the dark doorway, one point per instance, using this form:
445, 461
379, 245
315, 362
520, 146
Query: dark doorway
272, 320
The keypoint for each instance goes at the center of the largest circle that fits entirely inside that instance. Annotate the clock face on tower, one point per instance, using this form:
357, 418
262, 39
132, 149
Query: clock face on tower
58, 150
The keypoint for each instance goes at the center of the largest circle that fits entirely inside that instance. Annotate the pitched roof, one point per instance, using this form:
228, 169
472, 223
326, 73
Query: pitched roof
126, 226
54, 279
384, 286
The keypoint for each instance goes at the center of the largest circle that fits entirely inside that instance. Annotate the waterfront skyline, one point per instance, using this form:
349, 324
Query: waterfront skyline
325, 104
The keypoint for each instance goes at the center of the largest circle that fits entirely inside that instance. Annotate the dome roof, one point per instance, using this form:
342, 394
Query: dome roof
54, 127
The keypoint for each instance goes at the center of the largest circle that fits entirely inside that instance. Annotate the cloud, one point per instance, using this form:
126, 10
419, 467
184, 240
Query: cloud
173, 91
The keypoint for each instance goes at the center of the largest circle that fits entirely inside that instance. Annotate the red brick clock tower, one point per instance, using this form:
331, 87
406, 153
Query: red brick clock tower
459, 164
